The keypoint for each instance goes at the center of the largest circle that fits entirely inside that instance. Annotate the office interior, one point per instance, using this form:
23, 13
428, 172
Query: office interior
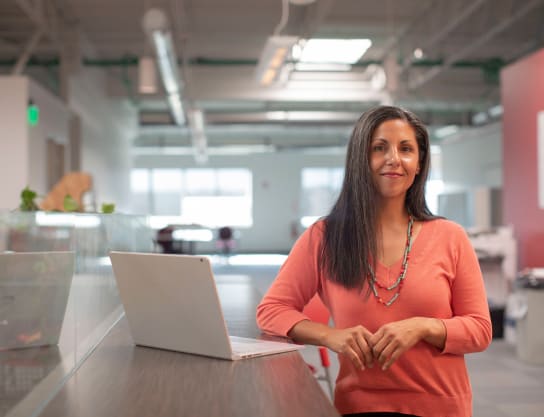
193, 116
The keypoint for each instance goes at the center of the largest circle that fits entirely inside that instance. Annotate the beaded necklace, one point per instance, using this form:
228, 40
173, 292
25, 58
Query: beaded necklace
398, 283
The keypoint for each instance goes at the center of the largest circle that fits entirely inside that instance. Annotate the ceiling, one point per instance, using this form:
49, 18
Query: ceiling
218, 42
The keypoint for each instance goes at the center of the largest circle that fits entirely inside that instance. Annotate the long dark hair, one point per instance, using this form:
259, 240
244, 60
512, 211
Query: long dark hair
350, 228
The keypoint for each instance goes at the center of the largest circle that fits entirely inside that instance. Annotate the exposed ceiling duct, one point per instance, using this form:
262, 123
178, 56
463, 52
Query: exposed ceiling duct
157, 28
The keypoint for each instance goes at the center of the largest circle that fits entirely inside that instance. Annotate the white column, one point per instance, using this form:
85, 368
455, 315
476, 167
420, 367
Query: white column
14, 146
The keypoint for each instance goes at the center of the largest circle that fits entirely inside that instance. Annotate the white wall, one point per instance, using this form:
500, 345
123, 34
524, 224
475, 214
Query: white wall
276, 192
473, 158
472, 165
53, 124
13, 140
108, 127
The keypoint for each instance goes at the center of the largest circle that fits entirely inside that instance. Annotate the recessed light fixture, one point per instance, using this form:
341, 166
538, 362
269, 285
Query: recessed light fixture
418, 53
343, 51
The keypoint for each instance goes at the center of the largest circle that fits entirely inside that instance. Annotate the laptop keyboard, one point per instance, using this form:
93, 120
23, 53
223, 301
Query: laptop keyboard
244, 340
246, 347
242, 346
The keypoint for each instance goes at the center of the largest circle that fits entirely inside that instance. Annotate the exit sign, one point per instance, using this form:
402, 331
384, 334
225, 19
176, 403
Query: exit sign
32, 114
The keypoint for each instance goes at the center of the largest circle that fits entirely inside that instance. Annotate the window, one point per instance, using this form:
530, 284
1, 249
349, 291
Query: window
218, 197
167, 188
435, 185
140, 185
320, 189
209, 197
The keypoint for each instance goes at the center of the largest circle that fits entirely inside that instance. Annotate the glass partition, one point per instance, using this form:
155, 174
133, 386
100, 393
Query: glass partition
58, 297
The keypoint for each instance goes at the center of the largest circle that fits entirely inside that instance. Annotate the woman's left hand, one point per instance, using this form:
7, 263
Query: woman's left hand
393, 339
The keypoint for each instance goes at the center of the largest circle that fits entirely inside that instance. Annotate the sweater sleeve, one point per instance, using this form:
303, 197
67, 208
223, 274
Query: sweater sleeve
469, 330
296, 283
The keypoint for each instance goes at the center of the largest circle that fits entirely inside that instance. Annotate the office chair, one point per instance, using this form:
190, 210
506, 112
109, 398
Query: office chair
225, 241
316, 311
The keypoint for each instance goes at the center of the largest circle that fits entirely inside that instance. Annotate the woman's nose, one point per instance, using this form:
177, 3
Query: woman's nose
392, 156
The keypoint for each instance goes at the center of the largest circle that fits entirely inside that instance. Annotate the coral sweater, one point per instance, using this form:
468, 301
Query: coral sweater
443, 281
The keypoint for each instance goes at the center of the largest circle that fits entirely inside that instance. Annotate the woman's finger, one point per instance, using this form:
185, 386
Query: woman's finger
365, 350
351, 353
394, 356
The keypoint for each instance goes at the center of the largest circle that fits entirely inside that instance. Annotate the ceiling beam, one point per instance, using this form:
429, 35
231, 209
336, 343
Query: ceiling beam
45, 14
440, 35
27, 52
490, 34
393, 41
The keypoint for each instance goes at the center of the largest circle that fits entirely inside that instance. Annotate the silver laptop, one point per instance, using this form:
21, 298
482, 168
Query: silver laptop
34, 289
171, 302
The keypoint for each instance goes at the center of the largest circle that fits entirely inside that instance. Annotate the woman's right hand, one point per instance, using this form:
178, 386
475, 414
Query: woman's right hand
353, 343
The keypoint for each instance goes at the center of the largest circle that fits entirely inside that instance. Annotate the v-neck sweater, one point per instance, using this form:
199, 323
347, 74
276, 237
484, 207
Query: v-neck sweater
443, 281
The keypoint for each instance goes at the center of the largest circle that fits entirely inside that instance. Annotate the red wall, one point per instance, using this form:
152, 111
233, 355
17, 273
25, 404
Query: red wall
522, 94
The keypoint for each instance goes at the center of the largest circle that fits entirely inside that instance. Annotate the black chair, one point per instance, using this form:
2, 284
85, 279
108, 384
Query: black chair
165, 239
225, 240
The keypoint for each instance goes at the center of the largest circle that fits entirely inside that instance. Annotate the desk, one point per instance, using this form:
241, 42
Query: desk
120, 379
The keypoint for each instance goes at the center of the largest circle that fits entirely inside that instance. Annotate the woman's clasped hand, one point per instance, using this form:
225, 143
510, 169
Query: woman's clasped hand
383, 347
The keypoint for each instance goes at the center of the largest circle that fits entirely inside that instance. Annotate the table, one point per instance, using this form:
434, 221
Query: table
120, 379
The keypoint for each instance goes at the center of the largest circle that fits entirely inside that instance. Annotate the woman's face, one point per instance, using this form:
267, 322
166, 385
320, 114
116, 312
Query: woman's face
394, 158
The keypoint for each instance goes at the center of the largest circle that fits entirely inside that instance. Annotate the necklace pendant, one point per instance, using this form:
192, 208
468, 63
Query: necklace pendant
392, 300
373, 282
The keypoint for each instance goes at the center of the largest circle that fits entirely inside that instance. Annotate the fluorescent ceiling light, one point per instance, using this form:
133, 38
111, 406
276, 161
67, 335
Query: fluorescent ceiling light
167, 61
156, 26
176, 108
347, 51
214, 150
325, 67
300, 116
275, 52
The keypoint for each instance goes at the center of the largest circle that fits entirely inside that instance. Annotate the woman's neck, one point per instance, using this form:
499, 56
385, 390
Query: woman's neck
392, 213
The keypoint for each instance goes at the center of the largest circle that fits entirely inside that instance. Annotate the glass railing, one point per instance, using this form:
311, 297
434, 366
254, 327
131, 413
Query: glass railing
58, 297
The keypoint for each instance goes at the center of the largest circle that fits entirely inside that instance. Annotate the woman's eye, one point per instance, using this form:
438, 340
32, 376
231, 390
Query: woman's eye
406, 149
378, 148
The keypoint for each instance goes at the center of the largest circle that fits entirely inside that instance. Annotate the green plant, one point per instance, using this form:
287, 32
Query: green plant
27, 200
69, 204
108, 208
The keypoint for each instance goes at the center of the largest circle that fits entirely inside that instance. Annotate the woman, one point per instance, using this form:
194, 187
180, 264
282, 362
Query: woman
404, 287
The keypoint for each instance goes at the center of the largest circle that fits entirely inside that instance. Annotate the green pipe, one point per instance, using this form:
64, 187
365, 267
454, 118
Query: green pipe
490, 67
